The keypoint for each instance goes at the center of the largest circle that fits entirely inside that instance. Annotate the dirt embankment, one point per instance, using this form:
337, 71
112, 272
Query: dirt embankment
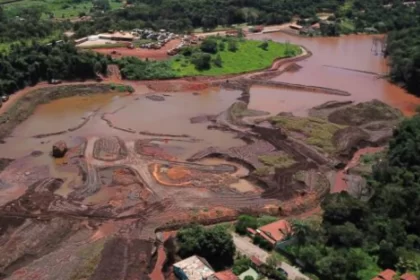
26, 102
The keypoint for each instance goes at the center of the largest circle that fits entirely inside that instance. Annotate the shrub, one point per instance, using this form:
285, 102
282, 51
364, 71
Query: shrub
222, 46
218, 61
264, 45
232, 46
209, 45
241, 264
201, 61
244, 222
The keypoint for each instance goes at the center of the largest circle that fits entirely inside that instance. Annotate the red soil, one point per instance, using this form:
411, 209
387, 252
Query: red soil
161, 258
141, 53
340, 182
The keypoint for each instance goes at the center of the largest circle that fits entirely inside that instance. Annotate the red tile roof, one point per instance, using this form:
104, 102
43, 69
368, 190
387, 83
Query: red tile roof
387, 274
408, 276
276, 231
226, 275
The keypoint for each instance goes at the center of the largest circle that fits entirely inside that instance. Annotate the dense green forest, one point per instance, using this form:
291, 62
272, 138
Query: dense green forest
28, 64
357, 239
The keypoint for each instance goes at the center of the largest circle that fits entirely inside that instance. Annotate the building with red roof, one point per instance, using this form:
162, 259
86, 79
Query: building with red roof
223, 275
273, 233
408, 276
387, 274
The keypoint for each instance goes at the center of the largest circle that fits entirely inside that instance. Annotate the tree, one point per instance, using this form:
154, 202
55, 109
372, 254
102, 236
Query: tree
218, 61
244, 222
264, 45
221, 46
214, 244
232, 46
209, 45
249, 277
201, 61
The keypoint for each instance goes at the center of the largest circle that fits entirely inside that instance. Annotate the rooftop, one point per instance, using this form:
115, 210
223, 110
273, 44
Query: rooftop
223, 275
276, 231
387, 274
195, 268
408, 276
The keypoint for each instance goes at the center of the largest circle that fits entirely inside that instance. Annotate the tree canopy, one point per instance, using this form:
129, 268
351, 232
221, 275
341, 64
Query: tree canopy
214, 244
356, 236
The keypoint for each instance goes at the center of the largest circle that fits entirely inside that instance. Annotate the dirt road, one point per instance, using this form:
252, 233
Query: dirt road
246, 247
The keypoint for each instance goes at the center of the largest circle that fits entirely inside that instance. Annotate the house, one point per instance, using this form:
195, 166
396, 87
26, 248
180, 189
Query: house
273, 233
223, 275
193, 268
387, 274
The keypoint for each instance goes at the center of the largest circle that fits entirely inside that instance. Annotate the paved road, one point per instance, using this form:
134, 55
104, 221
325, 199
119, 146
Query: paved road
245, 246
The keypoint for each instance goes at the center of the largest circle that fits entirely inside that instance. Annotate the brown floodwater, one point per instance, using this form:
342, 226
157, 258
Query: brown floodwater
135, 112
334, 64
274, 100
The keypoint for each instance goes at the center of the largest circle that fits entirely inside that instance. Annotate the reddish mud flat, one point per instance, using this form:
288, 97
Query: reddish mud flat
354, 56
160, 54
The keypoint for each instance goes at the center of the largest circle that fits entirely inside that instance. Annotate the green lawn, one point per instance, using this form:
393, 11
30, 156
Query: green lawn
248, 57
59, 8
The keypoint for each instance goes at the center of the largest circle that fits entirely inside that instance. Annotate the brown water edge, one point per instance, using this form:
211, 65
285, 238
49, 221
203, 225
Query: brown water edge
340, 182
351, 52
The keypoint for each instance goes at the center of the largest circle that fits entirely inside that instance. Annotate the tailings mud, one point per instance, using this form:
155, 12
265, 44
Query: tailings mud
335, 63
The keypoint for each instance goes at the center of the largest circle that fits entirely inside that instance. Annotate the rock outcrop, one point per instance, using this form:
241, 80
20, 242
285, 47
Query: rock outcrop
59, 149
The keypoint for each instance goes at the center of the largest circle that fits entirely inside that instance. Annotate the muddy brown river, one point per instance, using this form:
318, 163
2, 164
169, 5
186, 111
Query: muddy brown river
336, 63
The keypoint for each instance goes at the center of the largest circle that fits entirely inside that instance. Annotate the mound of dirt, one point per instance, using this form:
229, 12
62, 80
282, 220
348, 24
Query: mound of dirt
364, 113
59, 149
349, 139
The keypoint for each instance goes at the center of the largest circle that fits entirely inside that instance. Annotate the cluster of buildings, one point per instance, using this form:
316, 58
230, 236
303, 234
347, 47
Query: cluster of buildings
389, 274
197, 268
160, 38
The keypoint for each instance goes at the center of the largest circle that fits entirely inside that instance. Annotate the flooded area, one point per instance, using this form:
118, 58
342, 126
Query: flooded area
345, 63
274, 100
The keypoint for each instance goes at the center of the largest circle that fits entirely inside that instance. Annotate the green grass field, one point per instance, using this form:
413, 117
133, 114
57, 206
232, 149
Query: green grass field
248, 57
61, 9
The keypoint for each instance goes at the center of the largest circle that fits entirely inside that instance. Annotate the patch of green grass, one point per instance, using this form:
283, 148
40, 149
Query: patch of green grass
60, 9
278, 161
5, 47
316, 132
248, 57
